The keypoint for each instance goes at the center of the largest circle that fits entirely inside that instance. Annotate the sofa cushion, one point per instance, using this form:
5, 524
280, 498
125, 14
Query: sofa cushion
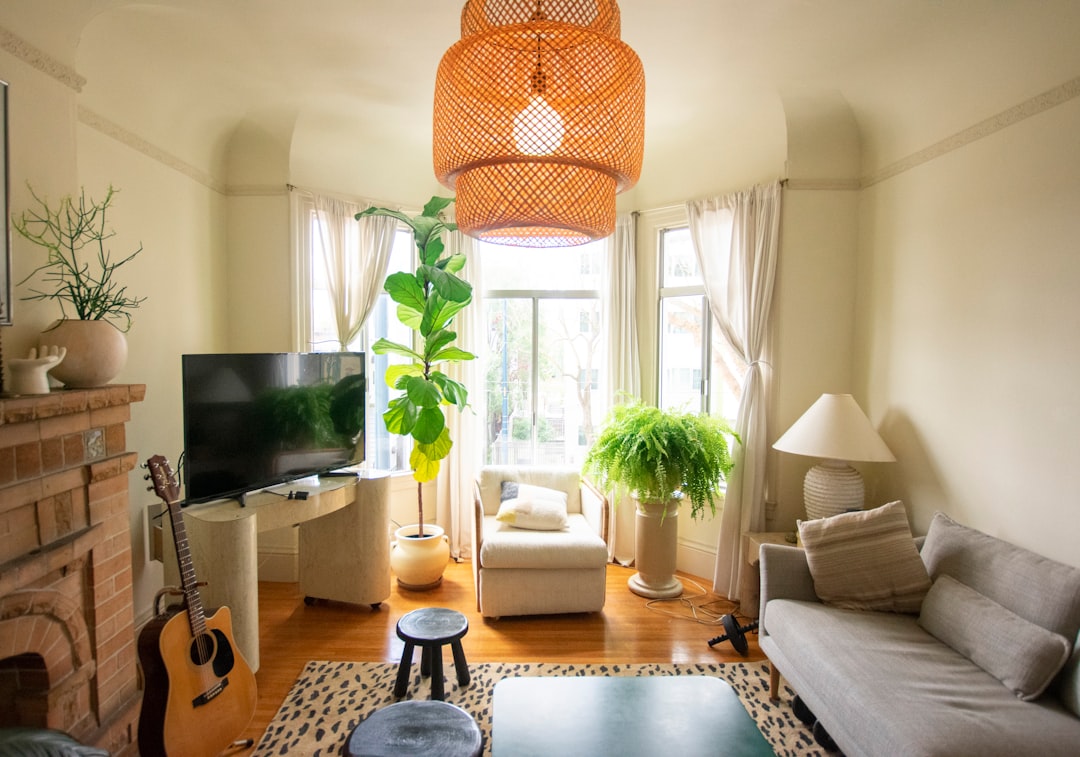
882, 685
533, 507
866, 560
1023, 656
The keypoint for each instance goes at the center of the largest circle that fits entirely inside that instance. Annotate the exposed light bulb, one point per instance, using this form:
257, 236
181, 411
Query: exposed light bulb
538, 129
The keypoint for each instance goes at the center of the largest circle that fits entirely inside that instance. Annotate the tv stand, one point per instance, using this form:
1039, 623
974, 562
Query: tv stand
344, 548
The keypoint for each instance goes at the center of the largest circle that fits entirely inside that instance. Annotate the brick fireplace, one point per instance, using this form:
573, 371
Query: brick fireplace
67, 636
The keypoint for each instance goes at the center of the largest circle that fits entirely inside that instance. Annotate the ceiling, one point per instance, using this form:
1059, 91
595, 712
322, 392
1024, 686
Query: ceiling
341, 90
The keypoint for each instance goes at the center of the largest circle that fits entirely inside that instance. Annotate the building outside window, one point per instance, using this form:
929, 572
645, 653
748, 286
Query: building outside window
545, 353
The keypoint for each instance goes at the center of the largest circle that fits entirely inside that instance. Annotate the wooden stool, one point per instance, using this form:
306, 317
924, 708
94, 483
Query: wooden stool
430, 628
416, 727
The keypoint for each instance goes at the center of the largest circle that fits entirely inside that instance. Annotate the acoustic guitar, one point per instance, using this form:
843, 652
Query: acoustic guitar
200, 692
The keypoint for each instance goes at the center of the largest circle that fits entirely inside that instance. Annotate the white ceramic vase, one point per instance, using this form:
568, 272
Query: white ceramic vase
96, 351
419, 562
656, 540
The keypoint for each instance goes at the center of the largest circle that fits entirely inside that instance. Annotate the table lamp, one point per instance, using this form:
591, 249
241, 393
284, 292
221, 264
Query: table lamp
837, 430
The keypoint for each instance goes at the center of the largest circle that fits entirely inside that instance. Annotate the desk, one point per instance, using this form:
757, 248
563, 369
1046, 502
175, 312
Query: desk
344, 547
689, 716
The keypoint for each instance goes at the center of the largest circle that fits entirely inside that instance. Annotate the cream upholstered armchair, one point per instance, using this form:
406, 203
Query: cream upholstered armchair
525, 571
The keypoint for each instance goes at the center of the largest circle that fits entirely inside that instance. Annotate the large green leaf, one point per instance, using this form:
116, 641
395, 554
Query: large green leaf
405, 289
436, 205
386, 347
451, 353
425, 458
453, 264
439, 313
454, 391
437, 340
433, 251
429, 424
449, 286
384, 212
400, 416
409, 317
424, 468
423, 393
396, 371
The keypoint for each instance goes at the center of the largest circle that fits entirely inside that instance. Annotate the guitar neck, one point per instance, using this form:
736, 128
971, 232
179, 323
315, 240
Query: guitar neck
190, 587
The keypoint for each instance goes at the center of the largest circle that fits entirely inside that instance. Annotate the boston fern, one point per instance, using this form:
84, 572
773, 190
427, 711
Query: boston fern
660, 455
66, 231
427, 302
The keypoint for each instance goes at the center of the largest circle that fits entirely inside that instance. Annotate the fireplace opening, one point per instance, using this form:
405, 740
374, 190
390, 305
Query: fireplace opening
24, 688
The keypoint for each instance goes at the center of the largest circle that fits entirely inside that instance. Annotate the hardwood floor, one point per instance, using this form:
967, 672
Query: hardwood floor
628, 630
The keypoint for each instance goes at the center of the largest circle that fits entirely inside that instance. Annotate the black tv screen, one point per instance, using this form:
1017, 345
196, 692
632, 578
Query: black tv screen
259, 419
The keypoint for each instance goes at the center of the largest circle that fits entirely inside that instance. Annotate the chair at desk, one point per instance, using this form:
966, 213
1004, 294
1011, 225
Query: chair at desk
539, 565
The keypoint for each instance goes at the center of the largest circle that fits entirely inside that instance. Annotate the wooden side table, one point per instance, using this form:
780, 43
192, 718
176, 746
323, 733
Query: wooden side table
751, 547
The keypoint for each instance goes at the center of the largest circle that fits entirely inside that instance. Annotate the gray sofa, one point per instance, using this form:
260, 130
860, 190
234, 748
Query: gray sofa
881, 684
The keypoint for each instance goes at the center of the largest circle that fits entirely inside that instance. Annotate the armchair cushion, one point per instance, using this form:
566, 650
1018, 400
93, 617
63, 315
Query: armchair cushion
536, 508
578, 546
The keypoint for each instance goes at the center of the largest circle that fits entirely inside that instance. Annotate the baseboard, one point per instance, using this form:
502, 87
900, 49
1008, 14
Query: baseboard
696, 559
280, 565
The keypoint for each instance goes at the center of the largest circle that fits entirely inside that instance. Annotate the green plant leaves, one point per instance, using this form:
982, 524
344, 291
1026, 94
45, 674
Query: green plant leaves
454, 392
658, 454
386, 347
449, 286
424, 459
427, 301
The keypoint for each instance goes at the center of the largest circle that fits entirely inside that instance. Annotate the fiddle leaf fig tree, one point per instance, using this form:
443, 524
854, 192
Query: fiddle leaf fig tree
427, 301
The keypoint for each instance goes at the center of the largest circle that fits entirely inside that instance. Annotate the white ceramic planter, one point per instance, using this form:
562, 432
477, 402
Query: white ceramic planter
657, 544
419, 562
96, 351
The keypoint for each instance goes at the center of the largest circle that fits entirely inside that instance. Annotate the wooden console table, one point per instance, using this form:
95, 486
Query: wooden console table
344, 547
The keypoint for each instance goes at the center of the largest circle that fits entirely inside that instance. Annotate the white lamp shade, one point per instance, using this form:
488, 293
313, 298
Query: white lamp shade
835, 428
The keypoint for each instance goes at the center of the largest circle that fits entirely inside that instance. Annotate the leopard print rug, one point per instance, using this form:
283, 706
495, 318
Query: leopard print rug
330, 698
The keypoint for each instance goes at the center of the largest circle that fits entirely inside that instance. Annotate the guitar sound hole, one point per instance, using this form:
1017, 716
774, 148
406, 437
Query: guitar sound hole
202, 649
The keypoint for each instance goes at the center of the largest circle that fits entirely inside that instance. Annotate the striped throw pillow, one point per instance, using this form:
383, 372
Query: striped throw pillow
866, 560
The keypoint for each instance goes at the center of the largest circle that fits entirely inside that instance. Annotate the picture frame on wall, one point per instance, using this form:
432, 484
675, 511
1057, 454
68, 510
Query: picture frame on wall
5, 227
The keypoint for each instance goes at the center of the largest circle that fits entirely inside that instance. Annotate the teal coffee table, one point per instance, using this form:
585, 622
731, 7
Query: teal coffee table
687, 716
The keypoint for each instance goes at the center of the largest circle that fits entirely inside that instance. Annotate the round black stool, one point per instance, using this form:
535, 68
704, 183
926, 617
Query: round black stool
430, 628
417, 727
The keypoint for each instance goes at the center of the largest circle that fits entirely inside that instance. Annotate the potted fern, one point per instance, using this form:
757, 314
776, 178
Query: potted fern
427, 301
79, 274
662, 458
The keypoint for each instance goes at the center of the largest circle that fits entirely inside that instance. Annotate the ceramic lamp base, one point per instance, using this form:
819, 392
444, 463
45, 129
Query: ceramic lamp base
832, 487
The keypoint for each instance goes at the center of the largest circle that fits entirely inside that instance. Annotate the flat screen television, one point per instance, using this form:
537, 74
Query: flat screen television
259, 419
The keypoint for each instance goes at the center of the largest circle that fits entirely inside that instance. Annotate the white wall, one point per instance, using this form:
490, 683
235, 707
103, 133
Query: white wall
967, 327
180, 223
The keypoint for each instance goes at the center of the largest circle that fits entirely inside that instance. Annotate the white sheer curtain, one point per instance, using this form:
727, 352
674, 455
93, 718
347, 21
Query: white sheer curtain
355, 255
736, 240
624, 366
458, 471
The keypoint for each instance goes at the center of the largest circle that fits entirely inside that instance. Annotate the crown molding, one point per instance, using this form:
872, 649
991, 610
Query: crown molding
828, 185
135, 142
1014, 115
36, 58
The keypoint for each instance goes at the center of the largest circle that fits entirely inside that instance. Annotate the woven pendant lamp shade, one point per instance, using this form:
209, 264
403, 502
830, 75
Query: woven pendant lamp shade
539, 120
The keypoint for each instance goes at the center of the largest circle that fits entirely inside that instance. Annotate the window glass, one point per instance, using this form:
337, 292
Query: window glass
542, 311
699, 369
